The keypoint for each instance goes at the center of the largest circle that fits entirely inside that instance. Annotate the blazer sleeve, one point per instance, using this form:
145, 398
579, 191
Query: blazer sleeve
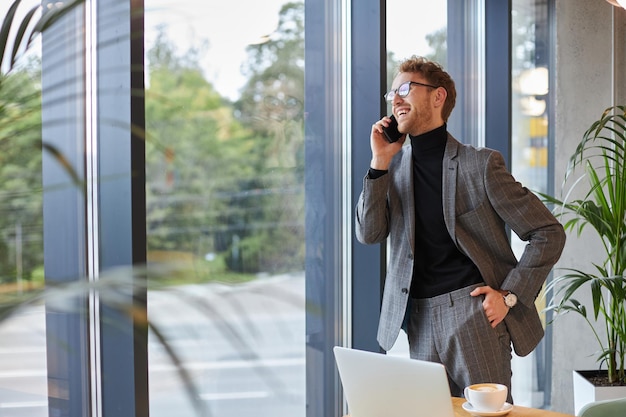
532, 221
372, 211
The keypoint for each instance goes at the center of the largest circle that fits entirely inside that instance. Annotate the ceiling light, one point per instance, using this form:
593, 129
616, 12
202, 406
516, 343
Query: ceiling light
534, 81
618, 3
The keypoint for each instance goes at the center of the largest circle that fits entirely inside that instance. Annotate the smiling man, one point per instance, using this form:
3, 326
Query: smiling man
453, 281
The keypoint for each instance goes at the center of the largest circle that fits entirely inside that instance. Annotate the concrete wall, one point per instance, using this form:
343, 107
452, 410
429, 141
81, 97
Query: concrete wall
590, 76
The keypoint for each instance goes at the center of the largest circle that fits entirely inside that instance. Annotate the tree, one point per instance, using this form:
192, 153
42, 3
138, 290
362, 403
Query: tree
272, 104
193, 146
437, 41
21, 252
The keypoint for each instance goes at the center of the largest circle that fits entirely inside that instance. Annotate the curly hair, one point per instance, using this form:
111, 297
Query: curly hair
434, 74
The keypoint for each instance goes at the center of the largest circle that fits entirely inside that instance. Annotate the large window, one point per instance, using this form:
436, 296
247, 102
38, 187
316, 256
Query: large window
185, 173
225, 206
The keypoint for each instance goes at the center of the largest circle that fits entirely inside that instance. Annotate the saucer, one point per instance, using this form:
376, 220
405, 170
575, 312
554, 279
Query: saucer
504, 410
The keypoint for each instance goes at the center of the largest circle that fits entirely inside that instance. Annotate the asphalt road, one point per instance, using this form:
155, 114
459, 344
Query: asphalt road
244, 347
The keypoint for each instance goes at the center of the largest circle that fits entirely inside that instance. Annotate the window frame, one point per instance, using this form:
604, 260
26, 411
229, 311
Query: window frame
80, 60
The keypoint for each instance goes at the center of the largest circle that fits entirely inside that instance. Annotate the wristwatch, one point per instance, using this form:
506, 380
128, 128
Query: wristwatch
510, 299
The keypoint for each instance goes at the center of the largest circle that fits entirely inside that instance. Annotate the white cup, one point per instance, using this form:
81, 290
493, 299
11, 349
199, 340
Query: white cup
486, 397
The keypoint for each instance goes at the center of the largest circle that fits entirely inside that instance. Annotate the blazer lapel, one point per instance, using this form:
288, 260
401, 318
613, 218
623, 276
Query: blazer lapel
407, 184
448, 183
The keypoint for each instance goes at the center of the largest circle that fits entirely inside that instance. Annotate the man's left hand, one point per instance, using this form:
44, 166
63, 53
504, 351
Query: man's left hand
493, 304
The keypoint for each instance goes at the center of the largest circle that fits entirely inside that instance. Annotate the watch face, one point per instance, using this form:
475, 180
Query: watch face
510, 299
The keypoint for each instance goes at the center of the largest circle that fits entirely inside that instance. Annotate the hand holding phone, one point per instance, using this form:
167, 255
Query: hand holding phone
391, 132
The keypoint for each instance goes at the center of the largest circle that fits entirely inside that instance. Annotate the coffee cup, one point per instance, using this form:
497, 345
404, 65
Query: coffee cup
486, 397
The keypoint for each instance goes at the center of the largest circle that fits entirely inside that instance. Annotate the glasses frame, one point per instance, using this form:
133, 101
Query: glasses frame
390, 95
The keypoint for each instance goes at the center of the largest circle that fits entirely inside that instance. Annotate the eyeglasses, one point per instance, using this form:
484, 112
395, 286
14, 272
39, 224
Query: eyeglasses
404, 89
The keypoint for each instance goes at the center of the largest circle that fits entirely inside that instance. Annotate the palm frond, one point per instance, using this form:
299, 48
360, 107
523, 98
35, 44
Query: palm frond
32, 24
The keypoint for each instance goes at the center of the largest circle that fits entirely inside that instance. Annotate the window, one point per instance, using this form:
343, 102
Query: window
428, 38
225, 195
222, 150
530, 159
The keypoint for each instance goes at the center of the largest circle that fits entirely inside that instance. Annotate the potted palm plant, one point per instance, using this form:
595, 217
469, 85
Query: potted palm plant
599, 165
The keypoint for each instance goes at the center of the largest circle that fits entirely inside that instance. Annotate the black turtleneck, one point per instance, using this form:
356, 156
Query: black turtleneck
439, 265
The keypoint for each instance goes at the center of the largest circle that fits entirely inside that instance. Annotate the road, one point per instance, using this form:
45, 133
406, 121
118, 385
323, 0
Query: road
244, 347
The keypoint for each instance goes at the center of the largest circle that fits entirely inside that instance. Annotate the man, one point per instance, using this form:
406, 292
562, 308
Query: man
453, 281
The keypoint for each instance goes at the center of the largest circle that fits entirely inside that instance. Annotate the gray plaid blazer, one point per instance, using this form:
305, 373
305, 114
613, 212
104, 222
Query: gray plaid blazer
480, 198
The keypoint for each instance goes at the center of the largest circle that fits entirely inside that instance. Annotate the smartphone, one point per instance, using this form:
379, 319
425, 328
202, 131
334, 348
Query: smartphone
391, 132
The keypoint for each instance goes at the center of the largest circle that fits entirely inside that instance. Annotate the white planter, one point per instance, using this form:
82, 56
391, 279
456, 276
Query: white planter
585, 392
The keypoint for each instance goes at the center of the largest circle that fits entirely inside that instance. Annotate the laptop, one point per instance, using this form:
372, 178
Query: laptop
378, 385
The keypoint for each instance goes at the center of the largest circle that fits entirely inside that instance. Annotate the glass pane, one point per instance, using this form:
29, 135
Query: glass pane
427, 38
530, 92
529, 157
23, 383
225, 206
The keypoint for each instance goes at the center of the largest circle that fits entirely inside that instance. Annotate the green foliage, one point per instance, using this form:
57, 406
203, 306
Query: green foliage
602, 155
228, 179
20, 139
272, 106
194, 146
20, 174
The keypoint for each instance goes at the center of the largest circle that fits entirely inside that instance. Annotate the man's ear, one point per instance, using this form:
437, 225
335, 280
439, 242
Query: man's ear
440, 96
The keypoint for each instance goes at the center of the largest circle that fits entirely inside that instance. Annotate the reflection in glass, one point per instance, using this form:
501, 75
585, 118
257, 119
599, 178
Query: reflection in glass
225, 203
